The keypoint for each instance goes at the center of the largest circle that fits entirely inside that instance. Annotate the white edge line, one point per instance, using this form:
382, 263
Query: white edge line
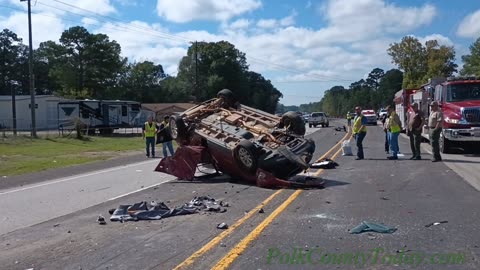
76, 177
135, 191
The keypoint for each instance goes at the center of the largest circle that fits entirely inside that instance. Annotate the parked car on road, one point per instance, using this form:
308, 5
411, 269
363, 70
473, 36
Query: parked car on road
381, 113
318, 118
371, 116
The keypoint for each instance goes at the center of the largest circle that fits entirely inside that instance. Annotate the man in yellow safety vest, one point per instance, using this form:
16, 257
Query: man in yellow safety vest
149, 131
394, 126
349, 119
359, 131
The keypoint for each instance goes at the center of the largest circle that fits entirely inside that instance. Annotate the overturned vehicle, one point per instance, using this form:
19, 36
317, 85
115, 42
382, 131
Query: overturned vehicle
242, 142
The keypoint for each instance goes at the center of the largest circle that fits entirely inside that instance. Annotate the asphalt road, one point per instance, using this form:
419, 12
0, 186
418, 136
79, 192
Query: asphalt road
403, 194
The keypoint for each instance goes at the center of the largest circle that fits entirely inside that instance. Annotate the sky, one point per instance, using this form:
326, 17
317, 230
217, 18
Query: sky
303, 46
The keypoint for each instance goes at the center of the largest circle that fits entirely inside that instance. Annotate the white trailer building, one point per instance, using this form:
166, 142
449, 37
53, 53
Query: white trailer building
45, 112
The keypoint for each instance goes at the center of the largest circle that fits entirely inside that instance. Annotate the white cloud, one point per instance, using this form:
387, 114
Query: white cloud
470, 26
270, 23
44, 28
212, 10
240, 24
442, 40
372, 17
89, 21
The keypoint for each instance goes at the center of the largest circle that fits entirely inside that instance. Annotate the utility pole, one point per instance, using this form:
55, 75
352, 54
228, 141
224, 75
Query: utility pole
196, 70
195, 52
30, 69
14, 110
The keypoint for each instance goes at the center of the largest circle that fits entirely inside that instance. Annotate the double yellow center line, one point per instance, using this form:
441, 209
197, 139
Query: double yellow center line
228, 259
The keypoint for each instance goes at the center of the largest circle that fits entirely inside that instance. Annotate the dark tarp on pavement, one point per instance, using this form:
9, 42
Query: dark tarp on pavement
155, 211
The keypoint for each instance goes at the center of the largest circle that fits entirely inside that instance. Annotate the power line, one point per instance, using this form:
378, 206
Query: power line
123, 21
143, 30
289, 69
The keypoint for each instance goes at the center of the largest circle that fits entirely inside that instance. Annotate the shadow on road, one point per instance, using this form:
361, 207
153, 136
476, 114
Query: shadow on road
333, 183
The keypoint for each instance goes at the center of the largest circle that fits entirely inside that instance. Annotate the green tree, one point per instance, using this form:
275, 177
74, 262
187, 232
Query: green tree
143, 82
421, 63
471, 62
410, 56
389, 85
440, 60
374, 77
13, 60
83, 64
210, 67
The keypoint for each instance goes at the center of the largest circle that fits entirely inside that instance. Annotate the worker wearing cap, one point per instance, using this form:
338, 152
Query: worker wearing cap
349, 119
435, 122
414, 130
359, 131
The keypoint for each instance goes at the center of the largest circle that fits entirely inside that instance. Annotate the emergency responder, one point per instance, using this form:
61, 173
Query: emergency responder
349, 119
435, 121
384, 125
359, 131
164, 137
414, 130
149, 131
393, 127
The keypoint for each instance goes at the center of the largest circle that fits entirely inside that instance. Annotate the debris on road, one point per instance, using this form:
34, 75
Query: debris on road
101, 220
436, 223
56, 225
324, 164
346, 148
341, 128
385, 198
366, 226
222, 226
155, 211
261, 211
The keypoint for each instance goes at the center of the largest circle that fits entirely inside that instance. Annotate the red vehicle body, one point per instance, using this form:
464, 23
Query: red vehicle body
459, 100
242, 142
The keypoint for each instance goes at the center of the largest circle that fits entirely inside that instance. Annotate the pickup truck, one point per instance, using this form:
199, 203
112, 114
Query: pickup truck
318, 118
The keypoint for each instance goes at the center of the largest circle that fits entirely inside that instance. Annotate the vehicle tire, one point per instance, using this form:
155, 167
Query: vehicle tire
177, 128
310, 125
228, 96
294, 121
327, 124
245, 155
445, 145
314, 125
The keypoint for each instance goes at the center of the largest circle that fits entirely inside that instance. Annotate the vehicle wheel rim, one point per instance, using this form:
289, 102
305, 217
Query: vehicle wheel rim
245, 157
174, 130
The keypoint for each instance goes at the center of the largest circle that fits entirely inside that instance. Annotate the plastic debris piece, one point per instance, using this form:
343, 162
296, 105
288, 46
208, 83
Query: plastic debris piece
366, 226
101, 220
436, 223
261, 211
222, 226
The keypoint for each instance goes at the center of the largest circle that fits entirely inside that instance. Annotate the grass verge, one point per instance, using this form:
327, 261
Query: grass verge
20, 155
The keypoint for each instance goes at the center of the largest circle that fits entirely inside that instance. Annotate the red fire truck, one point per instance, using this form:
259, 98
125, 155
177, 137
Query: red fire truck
459, 99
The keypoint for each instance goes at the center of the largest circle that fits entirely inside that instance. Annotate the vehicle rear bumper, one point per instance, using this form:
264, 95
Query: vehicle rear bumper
466, 135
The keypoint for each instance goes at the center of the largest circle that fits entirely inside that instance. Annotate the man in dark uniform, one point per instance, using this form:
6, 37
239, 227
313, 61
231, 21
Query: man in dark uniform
435, 122
414, 131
